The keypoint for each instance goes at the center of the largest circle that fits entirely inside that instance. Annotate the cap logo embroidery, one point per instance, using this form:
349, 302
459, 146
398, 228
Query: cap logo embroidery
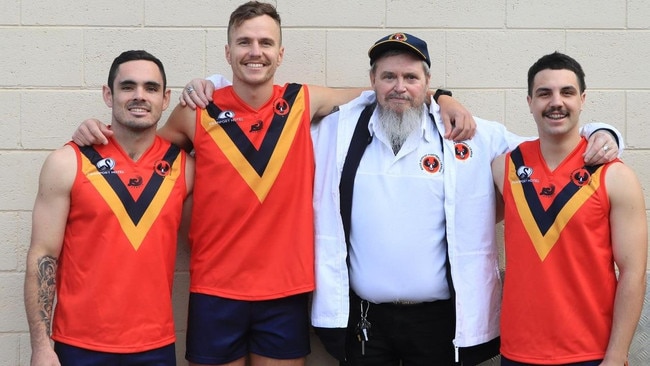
398, 37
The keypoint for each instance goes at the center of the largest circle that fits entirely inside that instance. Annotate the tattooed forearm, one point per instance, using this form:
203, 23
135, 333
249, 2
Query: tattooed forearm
47, 266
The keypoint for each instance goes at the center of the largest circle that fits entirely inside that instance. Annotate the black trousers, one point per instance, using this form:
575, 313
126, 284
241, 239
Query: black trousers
407, 335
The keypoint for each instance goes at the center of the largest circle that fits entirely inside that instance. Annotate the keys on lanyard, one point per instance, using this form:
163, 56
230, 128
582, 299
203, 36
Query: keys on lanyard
363, 326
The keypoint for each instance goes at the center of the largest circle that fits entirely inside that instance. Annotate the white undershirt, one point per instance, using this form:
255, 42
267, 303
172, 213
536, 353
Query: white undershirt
398, 222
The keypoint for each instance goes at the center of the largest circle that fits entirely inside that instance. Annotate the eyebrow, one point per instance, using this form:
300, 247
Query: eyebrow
131, 82
393, 73
564, 88
250, 39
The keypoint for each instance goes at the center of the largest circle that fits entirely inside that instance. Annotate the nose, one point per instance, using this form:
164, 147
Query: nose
138, 93
400, 85
255, 49
556, 99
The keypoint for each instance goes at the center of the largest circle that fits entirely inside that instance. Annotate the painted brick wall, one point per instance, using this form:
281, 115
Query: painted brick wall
56, 55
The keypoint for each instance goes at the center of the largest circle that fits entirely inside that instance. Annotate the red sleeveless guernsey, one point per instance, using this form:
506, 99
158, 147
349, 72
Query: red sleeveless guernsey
560, 281
115, 271
252, 231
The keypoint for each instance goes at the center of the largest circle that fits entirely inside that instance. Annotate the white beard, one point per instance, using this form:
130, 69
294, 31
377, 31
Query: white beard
398, 126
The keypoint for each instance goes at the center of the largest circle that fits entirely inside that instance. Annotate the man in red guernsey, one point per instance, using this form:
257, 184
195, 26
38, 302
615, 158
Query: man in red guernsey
567, 227
104, 234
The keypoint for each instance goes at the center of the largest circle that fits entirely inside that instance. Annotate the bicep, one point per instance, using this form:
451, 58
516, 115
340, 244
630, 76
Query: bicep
52, 203
627, 218
179, 128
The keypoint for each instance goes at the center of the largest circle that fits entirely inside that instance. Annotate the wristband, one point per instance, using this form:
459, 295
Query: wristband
440, 92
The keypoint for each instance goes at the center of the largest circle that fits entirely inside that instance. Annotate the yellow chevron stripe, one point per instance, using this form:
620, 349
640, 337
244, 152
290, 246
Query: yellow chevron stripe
544, 243
135, 234
260, 185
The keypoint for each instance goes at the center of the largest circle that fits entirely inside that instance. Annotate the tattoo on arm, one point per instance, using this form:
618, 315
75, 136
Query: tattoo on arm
47, 266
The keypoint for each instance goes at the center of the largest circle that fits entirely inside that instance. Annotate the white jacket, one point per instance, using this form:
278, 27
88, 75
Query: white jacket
469, 205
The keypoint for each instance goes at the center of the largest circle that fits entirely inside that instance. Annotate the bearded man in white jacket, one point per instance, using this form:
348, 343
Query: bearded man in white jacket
406, 256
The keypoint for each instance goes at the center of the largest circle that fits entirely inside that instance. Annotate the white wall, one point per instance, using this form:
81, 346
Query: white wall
55, 56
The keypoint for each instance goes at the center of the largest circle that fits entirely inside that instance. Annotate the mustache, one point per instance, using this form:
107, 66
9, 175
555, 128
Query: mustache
399, 96
552, 110
137, 104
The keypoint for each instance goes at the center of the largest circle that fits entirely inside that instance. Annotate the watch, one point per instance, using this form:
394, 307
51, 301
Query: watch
440, 92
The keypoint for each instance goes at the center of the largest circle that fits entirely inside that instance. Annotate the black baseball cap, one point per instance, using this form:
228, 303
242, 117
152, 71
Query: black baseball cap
402, 41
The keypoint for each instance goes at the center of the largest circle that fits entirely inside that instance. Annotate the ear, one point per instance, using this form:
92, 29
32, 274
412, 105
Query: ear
529, 100
107, 95
280, 55
227, 51
166, 99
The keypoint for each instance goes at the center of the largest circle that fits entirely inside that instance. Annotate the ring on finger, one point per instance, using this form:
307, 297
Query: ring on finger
605, 148
189, 89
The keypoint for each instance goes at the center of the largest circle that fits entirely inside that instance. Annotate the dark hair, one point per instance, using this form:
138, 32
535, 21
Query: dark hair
556, 61
253, 9
134, 55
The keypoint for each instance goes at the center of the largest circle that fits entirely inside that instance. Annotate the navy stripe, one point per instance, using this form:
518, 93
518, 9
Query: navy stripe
135, 209
546, 218
259, 160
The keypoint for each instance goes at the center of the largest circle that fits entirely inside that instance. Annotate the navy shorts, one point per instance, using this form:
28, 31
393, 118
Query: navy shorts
75, 356
223, 330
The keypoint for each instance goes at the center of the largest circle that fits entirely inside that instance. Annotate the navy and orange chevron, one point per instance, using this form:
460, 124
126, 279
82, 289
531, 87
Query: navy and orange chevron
136, 216
258, 167
544, 226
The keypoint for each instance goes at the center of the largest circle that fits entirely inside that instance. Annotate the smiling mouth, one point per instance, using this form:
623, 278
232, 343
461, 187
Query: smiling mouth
556, 115
138, 109
254, 65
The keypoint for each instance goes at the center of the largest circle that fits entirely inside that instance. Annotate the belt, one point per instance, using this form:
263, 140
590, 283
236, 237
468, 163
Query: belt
402, 302
405, 303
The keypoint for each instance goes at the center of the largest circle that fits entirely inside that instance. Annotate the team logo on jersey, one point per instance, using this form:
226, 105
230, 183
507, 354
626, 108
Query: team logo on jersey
431, 163
524, 173
162, 168
281, 107
105, 165
462, 151
226, 117
258, 126
135, 181
547, 191
581, 177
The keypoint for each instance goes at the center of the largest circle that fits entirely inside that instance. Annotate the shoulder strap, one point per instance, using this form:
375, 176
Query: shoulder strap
361, 138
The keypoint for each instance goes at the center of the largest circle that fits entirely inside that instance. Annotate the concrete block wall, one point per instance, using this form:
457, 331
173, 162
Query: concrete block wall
56, 55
